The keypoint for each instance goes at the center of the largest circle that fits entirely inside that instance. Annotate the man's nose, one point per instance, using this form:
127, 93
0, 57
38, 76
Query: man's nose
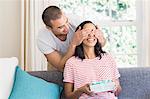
66, 28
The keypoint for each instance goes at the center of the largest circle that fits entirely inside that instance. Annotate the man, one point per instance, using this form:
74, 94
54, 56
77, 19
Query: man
58, 40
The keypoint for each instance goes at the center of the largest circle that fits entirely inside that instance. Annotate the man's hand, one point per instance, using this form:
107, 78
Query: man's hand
79, 36
99, 35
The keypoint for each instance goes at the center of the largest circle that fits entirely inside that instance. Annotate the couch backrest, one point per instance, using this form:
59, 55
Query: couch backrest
50, 76
135, 82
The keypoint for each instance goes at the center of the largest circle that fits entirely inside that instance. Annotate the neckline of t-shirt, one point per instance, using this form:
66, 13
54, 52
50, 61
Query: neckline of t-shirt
58, 40
91, 59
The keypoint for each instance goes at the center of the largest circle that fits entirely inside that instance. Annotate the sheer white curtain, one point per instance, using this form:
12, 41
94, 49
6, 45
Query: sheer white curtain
31, 58
144, 33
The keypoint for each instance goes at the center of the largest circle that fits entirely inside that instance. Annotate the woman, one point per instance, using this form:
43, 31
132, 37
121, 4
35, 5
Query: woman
90, 63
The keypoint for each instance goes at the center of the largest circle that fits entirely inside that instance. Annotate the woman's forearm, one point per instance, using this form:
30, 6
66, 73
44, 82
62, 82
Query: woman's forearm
74, 95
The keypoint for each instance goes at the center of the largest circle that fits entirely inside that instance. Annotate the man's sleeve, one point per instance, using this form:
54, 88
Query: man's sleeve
45, 43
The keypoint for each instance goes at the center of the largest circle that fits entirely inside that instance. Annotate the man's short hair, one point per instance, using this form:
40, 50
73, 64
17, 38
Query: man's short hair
51, 13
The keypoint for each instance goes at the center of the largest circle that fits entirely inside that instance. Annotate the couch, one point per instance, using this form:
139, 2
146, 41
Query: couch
135, 82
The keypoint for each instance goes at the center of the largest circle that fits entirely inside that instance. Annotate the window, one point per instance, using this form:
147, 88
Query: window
117, 19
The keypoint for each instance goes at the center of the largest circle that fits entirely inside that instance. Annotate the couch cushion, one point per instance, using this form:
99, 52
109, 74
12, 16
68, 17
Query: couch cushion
7, 72
30, 87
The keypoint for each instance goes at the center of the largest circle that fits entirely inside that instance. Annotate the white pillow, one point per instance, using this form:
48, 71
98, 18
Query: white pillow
7, 73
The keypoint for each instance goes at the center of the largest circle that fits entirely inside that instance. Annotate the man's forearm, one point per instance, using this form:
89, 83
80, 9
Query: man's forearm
68, 54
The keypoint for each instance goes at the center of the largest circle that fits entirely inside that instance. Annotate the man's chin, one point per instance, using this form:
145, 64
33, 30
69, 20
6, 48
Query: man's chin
63, 39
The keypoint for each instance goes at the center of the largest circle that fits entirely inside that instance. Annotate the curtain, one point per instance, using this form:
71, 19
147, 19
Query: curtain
31, 58
144, 34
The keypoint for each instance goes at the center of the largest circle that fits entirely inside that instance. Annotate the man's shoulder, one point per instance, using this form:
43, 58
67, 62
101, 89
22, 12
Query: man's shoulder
43, 33
45, 37
45, 41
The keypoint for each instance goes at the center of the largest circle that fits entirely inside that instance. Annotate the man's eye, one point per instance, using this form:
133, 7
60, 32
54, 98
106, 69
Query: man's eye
60, 27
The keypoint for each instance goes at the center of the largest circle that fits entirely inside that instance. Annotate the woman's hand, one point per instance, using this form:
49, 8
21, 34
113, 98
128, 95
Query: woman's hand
86, 89
117, 90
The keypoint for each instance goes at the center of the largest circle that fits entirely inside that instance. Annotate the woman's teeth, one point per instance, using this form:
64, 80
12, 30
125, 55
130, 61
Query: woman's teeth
91, 39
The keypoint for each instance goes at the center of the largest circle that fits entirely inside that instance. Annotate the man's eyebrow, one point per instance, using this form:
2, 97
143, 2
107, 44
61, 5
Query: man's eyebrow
61, 26
64, 24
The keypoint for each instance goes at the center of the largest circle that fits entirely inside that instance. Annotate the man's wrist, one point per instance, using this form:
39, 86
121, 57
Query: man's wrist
71, 49
72, 45
102, 41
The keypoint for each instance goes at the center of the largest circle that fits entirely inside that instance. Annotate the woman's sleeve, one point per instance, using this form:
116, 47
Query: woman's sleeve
68, 72
116, 73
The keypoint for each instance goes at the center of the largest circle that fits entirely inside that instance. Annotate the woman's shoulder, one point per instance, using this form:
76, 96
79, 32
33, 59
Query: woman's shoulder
73, 59
108, 55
